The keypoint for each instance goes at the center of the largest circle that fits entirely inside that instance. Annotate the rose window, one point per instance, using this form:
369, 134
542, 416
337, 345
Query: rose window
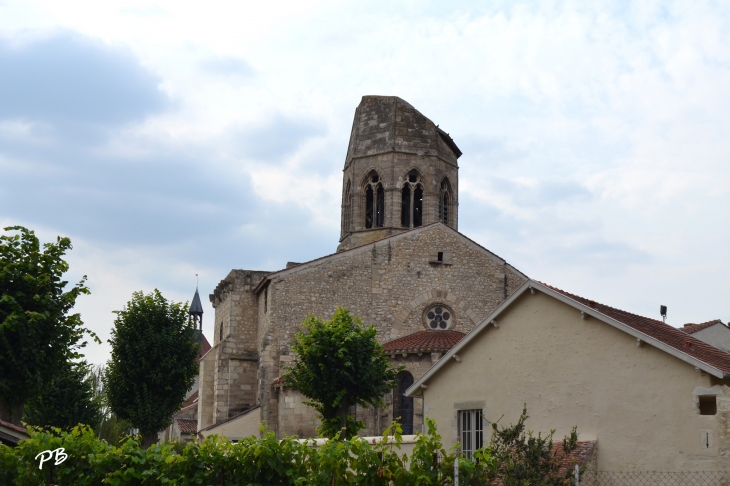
438, 318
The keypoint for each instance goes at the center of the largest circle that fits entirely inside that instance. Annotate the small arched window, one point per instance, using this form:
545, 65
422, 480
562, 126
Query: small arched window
411, 213
444, 202
403, 405
374, 202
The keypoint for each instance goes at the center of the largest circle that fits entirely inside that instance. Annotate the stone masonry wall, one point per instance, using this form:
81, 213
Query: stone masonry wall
387, 284
235, 344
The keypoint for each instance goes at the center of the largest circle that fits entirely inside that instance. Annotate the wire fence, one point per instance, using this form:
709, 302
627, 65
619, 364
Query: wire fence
655, 478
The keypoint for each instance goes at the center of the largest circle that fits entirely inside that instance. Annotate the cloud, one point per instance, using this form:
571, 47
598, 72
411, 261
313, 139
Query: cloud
277, 137
67, 77
227, 66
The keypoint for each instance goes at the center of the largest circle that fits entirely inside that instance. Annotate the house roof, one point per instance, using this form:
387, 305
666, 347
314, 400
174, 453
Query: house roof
424, 342
656, 333
303, 266
692, 328
187, 426
14, 427
238, 415
671, 336
580, 455
204, 347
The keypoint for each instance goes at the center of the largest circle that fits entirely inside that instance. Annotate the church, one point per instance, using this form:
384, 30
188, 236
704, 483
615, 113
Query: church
401, 265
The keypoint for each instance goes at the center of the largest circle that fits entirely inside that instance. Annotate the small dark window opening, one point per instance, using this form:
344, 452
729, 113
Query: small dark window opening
405, 208
220, 334
403, 405
441, 256
708, 405
418, 207
369, 207
266, 299
375, 178
446, 208
380, 216
412, 177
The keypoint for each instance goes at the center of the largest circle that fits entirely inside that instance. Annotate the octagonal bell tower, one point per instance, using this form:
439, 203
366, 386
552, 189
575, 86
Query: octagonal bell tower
400, 173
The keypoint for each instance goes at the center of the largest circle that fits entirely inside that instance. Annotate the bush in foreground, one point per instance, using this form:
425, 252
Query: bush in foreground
253, 461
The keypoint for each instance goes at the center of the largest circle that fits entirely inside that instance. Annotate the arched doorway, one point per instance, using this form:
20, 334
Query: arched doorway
403, 405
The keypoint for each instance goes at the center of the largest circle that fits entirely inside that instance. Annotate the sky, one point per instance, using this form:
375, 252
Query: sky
175, 138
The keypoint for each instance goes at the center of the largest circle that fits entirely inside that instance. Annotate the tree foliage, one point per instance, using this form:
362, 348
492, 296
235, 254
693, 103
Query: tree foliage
111, 428
273, 462
153, 366
68, 401
339, 363
37, 333
521, 458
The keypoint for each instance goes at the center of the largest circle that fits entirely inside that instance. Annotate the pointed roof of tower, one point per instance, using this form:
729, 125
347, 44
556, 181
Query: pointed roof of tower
196, 307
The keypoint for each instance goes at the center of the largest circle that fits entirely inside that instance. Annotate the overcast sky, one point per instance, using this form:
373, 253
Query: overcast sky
169, 138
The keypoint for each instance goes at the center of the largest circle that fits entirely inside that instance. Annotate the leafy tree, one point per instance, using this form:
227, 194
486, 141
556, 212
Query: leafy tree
339, 363
68, 401
518, 457
111, 428
153, 366
37, 333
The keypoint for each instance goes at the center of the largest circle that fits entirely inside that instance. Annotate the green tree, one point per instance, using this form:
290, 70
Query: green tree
68, 401
339, 363
153, 366
111, 428
37, 333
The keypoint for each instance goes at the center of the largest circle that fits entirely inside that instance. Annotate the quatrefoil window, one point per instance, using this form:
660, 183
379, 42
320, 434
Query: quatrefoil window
438, 318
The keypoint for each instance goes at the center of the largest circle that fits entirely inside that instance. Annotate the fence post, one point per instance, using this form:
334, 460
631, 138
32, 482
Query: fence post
456, 469
577, 475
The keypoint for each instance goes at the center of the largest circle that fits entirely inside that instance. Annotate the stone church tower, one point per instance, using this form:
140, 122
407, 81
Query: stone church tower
401, 266
400, 173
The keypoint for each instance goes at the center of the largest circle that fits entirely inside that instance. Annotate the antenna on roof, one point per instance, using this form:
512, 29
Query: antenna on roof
663, 312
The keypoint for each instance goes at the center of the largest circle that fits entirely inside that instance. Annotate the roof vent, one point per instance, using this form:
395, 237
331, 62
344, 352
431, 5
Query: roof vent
663, 312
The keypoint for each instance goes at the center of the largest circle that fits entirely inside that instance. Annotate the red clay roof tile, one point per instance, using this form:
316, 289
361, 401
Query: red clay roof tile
665, 333
187, 426
424, 342
692, 328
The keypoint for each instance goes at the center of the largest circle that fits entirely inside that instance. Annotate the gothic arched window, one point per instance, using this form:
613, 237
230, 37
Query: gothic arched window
444, 202
403, 405
374, 202
411, 212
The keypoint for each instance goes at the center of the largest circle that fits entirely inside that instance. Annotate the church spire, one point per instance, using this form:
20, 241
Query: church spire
196, 310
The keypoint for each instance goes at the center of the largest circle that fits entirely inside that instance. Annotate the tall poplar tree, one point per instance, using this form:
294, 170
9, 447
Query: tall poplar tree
154, 346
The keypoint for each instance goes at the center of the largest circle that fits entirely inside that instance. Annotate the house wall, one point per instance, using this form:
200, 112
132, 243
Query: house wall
639, 402
717, 335
245, 425
388, 285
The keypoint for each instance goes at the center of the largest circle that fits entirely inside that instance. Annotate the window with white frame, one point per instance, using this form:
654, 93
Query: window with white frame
471, 431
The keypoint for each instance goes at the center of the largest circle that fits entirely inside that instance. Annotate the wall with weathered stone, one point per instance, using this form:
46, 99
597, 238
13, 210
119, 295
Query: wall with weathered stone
387, 284
392, 138
235, 347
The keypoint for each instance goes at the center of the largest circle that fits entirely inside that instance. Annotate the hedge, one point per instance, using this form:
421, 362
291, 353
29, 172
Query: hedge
217, 461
